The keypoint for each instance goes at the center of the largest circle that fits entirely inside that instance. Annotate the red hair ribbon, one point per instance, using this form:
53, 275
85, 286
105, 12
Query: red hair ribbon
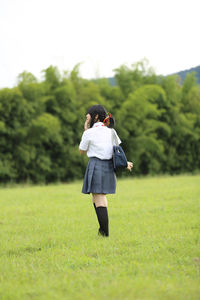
106, 121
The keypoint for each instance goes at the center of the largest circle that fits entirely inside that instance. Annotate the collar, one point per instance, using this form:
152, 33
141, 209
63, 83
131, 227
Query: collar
98, 124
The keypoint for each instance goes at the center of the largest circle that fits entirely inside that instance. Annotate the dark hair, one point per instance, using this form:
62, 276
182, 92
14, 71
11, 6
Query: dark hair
102, 113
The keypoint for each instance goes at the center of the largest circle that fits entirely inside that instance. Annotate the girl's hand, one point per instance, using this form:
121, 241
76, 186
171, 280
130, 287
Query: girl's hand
87, 122
130, 165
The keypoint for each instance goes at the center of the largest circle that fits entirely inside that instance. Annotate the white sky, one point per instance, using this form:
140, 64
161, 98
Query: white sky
102, 34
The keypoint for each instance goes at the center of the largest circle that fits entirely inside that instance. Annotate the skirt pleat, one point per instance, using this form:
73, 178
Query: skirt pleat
100, 177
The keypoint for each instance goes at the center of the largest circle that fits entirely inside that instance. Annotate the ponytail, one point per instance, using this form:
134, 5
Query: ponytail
109, 121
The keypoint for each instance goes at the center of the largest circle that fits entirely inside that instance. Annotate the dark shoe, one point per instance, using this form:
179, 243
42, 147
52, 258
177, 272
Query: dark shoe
101, 232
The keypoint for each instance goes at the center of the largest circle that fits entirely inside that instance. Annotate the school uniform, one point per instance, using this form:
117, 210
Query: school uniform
100, 177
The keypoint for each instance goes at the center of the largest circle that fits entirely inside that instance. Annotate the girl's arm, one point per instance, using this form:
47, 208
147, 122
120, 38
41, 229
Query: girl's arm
86, 127
82, 151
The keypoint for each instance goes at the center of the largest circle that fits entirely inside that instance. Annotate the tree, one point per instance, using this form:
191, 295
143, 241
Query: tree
129, 79
139, 125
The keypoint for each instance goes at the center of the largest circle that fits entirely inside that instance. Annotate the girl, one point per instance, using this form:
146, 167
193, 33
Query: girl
100, 178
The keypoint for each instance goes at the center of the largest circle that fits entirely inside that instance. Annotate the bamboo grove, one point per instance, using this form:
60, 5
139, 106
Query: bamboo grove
41, 123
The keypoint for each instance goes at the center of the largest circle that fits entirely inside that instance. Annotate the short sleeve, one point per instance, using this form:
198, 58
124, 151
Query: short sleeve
118, 139
84, 141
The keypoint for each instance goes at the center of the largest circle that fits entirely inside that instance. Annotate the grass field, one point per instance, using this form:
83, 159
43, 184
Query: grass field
49, 247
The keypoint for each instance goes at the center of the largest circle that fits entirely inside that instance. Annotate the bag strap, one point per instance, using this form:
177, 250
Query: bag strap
114, 138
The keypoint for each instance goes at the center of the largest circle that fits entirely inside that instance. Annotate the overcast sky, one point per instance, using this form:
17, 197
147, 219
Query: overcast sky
101, 34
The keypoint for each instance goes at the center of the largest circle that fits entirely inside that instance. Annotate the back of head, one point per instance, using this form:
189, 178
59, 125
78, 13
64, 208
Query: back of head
102, 113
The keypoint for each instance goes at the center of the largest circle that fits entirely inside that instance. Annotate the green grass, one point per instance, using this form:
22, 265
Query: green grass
49, 247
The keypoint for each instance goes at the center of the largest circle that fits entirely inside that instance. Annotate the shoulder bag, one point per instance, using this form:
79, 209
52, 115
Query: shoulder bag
119, 157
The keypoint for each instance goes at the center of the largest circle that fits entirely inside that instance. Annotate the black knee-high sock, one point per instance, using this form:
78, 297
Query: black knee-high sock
96, 213
102, 215
95, 207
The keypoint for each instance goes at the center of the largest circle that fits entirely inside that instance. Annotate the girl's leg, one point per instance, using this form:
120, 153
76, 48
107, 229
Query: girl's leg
100, 204
93, 198
95, 208
100, 200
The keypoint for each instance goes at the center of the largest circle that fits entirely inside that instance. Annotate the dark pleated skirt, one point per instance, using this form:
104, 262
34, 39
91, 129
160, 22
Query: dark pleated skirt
100, 177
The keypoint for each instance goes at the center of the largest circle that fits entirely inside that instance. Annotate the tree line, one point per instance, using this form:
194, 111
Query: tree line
41, 122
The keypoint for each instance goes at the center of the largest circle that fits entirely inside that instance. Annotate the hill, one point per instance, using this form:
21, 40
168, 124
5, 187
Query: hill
183, 74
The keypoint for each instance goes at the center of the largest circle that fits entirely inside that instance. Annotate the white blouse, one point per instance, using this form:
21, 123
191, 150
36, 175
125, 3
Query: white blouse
97, 141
